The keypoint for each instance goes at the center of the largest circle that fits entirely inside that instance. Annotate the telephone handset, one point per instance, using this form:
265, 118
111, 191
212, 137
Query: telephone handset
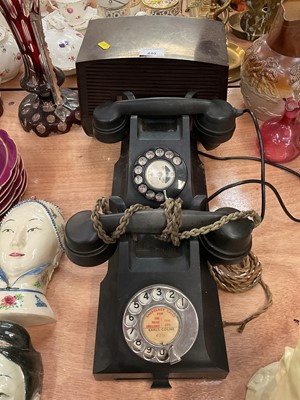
159, 315
159, 145
214, 120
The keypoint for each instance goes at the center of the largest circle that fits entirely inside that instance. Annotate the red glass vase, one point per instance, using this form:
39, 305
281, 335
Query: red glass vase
281, 135
47, 108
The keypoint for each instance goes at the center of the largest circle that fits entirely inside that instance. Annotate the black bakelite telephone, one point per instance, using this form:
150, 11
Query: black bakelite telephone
159, 314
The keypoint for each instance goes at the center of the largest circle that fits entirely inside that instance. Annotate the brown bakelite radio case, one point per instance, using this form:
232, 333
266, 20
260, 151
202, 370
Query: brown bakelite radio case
150, 56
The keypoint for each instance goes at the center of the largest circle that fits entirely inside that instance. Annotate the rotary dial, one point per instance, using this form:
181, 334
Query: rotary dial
160, 324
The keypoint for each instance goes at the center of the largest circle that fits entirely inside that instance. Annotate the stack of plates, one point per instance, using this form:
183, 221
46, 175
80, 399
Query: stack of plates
13, 177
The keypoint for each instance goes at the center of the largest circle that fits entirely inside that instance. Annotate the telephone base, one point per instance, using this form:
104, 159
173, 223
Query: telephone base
161, 383
181, 268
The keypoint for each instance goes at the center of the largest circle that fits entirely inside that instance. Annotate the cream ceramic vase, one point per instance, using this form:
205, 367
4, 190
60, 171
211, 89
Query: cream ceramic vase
10, 56
270, 71
279, 380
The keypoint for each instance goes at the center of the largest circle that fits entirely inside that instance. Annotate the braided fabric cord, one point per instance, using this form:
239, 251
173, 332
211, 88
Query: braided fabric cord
101, 207
174, 218
239, 278
232, 278
173, 213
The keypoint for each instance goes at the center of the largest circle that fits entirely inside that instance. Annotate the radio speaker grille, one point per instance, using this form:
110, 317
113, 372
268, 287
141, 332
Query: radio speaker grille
102, 79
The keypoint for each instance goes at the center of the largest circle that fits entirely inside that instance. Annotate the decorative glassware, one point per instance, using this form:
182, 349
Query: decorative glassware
281, 135
47, 108
270, 70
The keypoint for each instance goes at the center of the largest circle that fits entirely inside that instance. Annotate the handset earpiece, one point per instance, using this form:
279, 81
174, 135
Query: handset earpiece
231, 243
216, 125
82, 244
109, 125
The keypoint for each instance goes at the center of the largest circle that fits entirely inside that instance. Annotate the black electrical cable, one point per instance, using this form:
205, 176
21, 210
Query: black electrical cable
262, 162
261, 181
247, 181
249, 158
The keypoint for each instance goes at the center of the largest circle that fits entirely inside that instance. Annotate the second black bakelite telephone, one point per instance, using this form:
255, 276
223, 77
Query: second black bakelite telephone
159, 314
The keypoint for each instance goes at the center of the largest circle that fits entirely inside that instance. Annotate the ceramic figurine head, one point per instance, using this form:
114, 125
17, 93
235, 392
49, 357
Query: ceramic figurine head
21, 369
279, 380
31, 245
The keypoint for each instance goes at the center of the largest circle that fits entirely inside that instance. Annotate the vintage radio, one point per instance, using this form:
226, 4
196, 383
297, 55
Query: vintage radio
150, 56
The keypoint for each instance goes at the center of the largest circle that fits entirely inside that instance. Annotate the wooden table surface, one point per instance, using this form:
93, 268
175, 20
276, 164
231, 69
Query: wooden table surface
73, 170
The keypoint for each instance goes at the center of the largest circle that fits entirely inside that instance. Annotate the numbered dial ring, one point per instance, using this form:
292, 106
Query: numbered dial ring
158, 172
160, 324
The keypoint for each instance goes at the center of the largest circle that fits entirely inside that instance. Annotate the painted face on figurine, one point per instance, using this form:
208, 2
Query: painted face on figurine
28, 239
31, 245
12, 384
21, 369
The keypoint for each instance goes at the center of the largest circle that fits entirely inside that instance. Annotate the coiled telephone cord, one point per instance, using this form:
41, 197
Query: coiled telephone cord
239, 278
235, 278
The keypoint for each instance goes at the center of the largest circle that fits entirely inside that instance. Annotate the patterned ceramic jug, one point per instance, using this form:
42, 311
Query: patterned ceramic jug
270, 71
10, 56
